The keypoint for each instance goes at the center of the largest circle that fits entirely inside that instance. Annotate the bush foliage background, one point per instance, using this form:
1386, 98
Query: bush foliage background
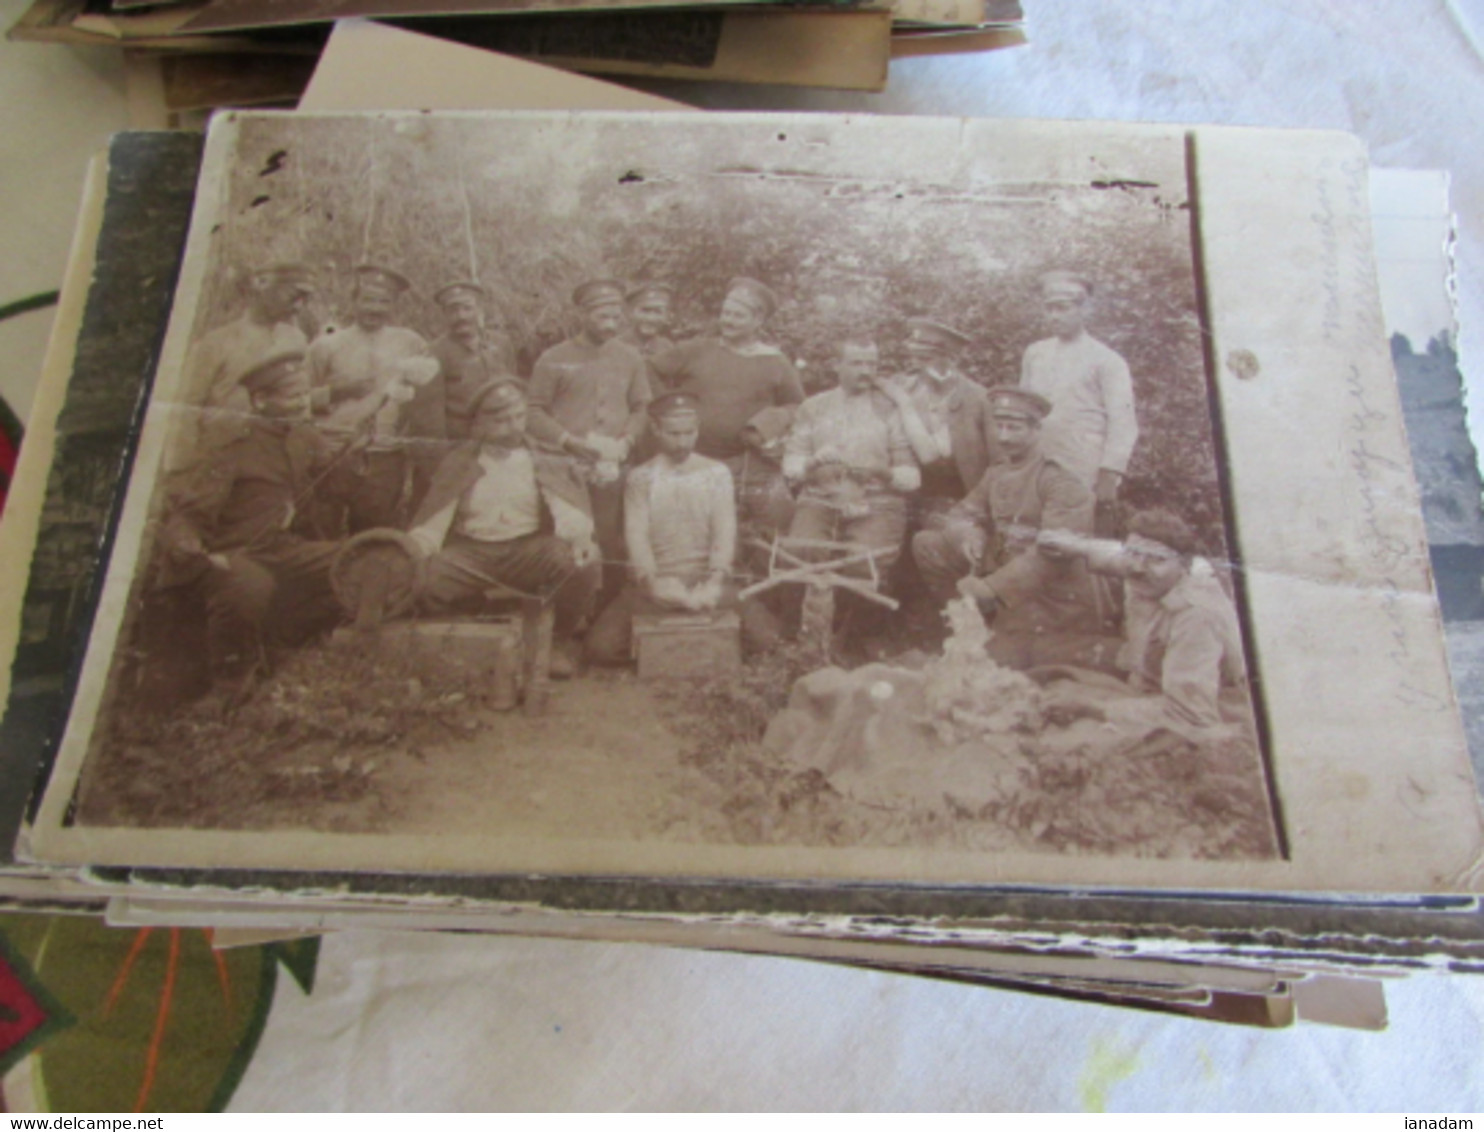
441, 201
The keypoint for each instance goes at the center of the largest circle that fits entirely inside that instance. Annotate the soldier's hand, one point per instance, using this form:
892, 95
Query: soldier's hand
906, 479
400, 392
219, 561
976, 589
971, 545
671, 591
707, 595
584, 553
609, 449
1106, 488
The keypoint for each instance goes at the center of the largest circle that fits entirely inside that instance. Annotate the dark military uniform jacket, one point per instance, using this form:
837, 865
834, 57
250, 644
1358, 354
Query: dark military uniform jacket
971, 431
1013, 502
260, 494
971, 435
442, 407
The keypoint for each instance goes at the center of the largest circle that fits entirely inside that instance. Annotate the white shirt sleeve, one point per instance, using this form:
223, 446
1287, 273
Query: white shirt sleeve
430, 533
1123, 423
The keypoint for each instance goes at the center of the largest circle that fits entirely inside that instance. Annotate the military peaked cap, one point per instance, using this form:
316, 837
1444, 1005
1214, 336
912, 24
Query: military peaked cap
597, 293
644, 290
1164, 527
1066, 283
674, 405
378, 275
495, 395
757, 295
453, 290
940, 332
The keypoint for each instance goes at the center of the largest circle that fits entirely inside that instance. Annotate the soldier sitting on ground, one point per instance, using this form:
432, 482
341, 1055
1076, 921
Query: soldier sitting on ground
1042, 602
681, 525
1181, 634
503, 513
245, 524
469, 354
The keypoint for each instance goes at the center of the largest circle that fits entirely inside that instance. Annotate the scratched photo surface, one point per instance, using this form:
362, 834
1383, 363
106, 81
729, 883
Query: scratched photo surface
684, 482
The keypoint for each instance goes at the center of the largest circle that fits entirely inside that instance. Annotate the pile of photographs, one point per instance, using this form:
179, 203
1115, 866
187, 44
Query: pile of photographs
983, 549
187, 57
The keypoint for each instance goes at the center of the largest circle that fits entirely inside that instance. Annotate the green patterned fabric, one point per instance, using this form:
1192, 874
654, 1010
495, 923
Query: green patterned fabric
159, 1020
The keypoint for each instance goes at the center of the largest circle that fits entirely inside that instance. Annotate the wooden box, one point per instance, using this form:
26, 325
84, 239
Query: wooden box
669, 645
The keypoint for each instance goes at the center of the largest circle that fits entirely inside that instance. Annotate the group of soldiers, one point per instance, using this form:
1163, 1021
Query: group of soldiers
628, 473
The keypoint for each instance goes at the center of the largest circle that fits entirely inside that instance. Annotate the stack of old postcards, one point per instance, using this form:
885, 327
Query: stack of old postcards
984, 549
190, 56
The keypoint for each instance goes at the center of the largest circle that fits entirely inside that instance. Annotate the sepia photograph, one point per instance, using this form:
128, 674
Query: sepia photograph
643, 491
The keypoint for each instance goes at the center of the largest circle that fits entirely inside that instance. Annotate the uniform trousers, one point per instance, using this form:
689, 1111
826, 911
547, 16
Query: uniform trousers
607, 504
882, 527
278, 594
460, 576
1046, 612
380, 493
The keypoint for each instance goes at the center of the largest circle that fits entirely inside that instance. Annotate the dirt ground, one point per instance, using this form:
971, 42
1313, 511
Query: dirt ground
342, 738
350, 743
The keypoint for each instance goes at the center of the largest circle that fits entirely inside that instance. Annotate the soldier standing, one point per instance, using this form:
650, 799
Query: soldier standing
364, 377
1092, 428
587, 397
650, 307
849, 452
276, 297
742, 384
244, 525
468, 353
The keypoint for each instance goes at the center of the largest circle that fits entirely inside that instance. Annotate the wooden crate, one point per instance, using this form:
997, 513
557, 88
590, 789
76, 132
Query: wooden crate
669, 645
